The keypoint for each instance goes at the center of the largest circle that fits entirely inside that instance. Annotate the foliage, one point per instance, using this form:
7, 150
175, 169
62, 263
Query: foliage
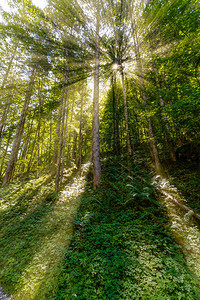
116, 245
114, 242
120, 252
35, 229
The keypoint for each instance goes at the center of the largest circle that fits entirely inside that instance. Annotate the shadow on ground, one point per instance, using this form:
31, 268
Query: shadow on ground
36, 227
123, 246
111, 243
185, 176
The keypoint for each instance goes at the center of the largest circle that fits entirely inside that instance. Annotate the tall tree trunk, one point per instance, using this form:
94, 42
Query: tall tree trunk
153, 147
37, 135
58, 127
32, 151
4, 116
95, 124
70, 134
5, 152
61, 143
175, 125
126, 114
116, 141
3, 119
114, 114
9, 66
65, 138
38, 132
26, 142
50, 139
164, 117
79, 157
19, 132
74, 152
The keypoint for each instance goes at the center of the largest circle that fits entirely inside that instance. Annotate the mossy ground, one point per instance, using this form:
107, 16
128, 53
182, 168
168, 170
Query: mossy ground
116, 242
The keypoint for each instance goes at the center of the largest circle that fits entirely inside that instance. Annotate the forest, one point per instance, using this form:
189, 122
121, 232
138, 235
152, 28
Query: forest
100, 150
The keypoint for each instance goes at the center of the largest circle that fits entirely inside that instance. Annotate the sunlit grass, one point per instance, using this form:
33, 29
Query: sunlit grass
111, 243
123, 247
184, 228
36, 229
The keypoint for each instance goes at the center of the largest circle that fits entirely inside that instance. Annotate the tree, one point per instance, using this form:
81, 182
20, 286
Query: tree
95, 129
19, 132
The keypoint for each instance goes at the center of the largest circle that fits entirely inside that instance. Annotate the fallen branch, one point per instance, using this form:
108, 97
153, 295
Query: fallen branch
197, 216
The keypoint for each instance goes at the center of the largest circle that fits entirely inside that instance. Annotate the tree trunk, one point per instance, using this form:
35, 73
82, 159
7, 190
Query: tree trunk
153, 147
9, 66
61, 144
95, 124
116, 141
59, 119
175, 125
70, 135
165, 121
38, 133
65, 138
19, 132
32, 151
74, 146
3, 119
126, 114
26, 142
79, 157
50, 139
4, 116
5, 153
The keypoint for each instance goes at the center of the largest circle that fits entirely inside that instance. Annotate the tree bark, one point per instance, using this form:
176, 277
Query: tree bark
58, 126
5, 153
4, 116
126, 114
164, 117
32, 151
79, 157
116, 141
38, 133
95, 127
19, 132
61, 144
70, 135
65, 138
50, 139
26, 142
74, 146
3, 119
153, 147
9, 66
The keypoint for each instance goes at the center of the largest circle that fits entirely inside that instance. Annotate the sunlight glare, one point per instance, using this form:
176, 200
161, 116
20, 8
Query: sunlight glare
40, 3
115, 67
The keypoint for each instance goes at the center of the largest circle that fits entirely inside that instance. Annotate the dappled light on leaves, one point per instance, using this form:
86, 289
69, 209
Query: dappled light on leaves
99, 149
185, 230
41, 228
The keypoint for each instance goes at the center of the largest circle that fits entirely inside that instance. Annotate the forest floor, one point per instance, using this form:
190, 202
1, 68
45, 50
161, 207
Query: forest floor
125, 240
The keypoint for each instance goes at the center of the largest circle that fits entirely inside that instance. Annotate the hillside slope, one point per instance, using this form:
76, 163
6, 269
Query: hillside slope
121, 241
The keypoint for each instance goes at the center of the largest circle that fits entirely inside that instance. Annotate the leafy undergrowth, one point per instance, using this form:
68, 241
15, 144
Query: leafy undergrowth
123, 247
185, 176
36, 225
183, 186
112, 243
